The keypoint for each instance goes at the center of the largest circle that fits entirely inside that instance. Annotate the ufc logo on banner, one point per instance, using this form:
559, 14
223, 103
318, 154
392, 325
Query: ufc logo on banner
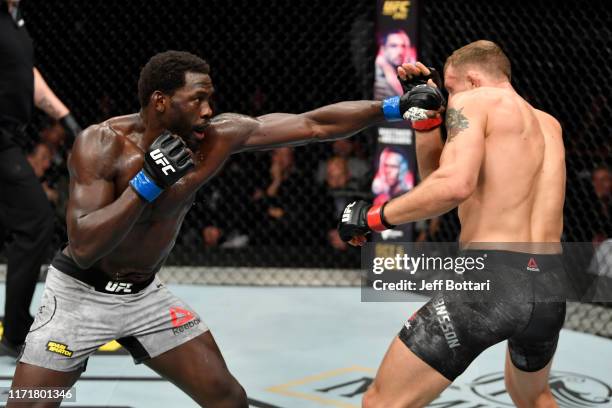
346, 215
117, 287
159, 158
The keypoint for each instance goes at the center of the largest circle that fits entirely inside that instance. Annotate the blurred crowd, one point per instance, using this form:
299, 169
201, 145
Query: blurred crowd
282, 202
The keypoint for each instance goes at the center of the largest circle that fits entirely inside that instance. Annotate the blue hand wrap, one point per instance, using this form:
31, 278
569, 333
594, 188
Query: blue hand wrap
145, 187
391, 108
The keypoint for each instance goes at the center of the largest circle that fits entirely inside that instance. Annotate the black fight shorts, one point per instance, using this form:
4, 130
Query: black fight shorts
452, 329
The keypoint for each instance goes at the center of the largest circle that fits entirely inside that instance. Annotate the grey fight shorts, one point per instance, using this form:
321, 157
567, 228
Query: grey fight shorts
74, 319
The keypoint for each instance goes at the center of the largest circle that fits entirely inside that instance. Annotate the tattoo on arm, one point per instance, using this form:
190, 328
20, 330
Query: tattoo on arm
455, 122
46, 105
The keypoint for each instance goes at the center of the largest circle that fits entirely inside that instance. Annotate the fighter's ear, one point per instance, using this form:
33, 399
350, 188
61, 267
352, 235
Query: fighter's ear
474, 78
158, 101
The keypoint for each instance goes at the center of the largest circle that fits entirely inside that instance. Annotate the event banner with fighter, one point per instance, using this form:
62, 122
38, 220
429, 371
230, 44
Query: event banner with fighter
395, 158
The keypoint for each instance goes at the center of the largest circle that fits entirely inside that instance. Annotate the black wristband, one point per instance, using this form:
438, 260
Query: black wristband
72, 128
382, 217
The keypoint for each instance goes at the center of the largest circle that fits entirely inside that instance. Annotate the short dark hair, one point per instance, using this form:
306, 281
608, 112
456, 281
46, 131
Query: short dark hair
166, 71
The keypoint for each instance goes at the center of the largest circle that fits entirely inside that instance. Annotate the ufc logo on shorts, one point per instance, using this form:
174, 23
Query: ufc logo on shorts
346, 215
159, 158
117, 287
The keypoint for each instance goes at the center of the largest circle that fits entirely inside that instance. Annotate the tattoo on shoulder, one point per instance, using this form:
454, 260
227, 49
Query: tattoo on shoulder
455, 122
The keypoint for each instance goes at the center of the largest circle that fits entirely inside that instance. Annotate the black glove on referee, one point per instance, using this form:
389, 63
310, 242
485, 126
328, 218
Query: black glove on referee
72, 129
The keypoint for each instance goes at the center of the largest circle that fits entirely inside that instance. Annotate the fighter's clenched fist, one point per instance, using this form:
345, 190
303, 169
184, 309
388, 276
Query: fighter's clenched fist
166, 161
358, 219
422, 96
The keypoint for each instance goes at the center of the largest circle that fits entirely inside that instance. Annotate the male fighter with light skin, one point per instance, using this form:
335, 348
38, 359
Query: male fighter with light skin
503, 165
132, 182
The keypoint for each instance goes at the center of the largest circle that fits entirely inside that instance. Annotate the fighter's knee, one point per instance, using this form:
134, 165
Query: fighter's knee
371, 399
238, 396
546, 400
374, 398
542, 399
227, 392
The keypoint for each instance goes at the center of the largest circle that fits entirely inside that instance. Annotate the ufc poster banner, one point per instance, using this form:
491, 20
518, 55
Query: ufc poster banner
395, 159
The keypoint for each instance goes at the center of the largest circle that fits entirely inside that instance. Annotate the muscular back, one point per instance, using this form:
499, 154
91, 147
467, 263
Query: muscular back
521, 185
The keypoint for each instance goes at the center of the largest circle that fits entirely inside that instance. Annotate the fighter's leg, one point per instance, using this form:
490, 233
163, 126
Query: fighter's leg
435, 346
69, 327
28, 376
197, 367
404, 380
529, 357
528, 389
169, 336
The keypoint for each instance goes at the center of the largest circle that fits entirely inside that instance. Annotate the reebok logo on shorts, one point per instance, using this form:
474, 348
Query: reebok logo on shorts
182, 320
532, 265
59, 348
180, 316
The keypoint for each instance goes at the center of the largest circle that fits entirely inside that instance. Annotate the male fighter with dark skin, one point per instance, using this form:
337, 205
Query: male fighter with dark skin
113, 229
503, 165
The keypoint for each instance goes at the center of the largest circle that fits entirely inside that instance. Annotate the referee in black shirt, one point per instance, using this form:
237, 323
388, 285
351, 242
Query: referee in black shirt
25, 211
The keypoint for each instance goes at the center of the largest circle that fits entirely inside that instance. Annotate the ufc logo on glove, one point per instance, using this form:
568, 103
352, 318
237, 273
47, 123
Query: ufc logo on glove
346, 215
159, 158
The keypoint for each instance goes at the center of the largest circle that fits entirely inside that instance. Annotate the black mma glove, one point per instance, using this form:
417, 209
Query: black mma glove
359, 218
417, 99
165, 162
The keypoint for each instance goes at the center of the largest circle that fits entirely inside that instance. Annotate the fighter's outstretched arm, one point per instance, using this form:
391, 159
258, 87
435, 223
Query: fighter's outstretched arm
452, 183
330, 122
97, 222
